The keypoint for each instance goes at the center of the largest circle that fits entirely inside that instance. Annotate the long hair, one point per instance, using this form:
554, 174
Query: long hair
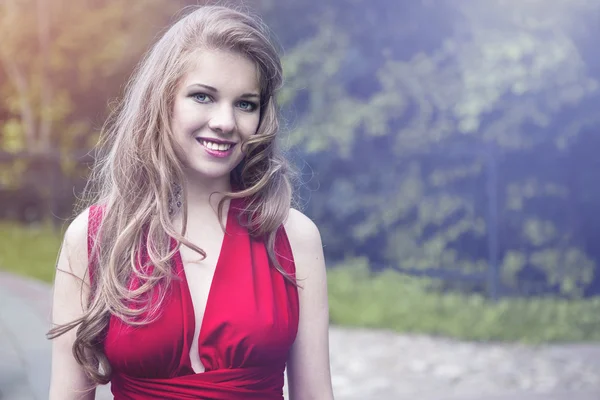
137, 165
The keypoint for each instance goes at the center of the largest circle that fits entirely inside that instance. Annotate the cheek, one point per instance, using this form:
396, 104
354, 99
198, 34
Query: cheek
186, 116
249, 126
177, 119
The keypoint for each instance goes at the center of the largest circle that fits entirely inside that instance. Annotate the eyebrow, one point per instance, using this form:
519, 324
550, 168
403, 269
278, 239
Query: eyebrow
214, 90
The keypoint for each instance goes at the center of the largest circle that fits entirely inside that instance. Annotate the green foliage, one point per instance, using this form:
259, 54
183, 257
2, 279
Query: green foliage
401, 107
29, 251
404, 140
390, 300
12, 136
59, 79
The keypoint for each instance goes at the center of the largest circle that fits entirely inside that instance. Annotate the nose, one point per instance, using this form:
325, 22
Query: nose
222, 120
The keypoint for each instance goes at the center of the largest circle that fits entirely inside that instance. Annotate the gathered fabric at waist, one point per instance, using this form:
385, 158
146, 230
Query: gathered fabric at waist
223, 384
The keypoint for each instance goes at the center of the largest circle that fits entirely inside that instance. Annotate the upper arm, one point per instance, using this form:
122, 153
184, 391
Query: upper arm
71, 289
309, 374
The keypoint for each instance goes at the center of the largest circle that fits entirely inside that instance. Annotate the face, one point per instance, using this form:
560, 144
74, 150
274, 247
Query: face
215, 109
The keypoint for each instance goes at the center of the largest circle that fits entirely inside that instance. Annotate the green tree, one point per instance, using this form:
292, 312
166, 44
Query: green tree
403, 167
61, 63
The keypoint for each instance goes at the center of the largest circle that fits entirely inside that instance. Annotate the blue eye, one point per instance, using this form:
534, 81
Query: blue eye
201, 97
247, 106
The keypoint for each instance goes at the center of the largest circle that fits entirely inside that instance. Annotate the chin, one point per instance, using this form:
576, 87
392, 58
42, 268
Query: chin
205, 167
210, 172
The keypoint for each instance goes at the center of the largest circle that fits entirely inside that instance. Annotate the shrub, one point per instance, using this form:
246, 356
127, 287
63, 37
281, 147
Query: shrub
391, 300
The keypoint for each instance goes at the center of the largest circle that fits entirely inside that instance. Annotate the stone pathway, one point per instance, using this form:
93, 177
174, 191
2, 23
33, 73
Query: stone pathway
365, 364
385, 365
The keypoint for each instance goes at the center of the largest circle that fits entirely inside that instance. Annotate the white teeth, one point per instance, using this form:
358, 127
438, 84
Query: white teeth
216, 146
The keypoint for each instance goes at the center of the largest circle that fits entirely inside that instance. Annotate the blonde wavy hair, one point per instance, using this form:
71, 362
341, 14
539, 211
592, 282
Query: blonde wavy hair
137, 165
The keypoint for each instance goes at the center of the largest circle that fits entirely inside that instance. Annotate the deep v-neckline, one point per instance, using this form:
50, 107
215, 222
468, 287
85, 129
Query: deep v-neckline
212, 288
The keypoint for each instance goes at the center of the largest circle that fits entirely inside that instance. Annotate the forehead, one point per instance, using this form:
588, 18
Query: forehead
227, 71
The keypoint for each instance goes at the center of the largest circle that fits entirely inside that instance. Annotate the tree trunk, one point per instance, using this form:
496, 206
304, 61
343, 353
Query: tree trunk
45, 127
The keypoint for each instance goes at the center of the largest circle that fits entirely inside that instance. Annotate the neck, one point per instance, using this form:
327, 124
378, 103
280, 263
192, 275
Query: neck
204, 195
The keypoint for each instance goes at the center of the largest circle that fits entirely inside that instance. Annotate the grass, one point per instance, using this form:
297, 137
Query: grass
405, 304
388, 300
29, 251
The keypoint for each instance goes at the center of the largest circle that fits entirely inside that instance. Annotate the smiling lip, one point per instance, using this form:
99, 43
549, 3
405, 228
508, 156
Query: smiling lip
214, 152
219, 141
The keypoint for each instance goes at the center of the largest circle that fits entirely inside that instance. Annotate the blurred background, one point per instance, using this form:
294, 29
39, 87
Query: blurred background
447, 149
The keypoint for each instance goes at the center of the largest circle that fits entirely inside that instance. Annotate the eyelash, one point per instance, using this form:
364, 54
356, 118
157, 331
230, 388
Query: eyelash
253, 106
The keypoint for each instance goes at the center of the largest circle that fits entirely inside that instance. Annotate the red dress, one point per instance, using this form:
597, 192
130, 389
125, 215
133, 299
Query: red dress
248, 328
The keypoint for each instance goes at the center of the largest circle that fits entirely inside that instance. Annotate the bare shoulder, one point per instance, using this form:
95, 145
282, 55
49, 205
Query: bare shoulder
68, 305
78, 227
309, 376
302, 230
305, 240
75, 245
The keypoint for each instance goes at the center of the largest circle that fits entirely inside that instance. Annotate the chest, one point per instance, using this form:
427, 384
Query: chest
228, 310
199, 271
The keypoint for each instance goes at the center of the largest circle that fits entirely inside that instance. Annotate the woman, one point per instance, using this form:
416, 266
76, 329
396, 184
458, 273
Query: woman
189, 276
